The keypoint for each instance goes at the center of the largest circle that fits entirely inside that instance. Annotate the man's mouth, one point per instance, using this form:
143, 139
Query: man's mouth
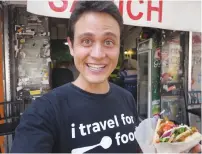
96, 67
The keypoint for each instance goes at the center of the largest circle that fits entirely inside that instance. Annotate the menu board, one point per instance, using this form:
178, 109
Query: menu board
170, 70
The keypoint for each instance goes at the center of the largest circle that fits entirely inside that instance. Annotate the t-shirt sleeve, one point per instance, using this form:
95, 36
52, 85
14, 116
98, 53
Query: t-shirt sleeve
36, 131
133, 105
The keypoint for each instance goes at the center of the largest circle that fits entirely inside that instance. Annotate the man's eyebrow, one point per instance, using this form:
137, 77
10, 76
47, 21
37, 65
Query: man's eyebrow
111, 34
87, 34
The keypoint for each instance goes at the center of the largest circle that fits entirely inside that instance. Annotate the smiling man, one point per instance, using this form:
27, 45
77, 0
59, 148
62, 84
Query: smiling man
89, 111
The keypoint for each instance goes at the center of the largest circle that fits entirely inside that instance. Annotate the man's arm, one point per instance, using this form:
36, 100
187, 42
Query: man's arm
136, 117
36, 131
133, 105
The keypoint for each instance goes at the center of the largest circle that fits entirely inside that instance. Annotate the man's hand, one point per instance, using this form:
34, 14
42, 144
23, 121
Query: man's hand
196, 149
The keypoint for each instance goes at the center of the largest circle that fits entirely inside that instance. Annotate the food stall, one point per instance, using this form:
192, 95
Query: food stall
157, 14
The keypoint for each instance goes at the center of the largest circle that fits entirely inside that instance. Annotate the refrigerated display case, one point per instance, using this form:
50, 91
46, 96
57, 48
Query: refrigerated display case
194, 80
173, 78
161, 77
144, 78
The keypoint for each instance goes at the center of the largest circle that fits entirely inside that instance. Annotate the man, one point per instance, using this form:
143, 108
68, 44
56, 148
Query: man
90, 110
72, 67
89, 114
61, 75
129, 76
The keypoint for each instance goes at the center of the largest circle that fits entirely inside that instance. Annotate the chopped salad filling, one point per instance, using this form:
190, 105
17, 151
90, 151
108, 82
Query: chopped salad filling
168, 131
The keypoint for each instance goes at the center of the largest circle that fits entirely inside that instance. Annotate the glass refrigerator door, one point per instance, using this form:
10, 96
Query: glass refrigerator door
174, 108
143, 84
172, 79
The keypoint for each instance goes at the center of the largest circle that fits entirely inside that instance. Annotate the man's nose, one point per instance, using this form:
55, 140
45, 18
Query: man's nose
97, 51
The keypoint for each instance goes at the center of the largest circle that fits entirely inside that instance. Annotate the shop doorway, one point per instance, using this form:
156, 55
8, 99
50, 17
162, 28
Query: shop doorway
63, 69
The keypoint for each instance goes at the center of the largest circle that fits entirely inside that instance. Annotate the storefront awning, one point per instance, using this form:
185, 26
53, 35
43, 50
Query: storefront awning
165, 14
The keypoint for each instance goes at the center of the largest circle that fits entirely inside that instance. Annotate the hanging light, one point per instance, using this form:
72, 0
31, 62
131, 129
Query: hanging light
130, 52
126, 52
66, 43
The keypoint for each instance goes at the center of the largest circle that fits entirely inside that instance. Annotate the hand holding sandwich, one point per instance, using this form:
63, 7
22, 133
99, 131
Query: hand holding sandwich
155, 135
168, 132
196, 149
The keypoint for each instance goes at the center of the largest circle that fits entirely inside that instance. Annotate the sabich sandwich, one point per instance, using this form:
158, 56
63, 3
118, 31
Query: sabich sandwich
167, 131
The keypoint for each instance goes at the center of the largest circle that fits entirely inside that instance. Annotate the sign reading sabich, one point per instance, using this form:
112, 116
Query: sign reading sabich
165, 14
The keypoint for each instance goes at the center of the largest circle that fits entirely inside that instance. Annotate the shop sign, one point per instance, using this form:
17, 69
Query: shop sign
165, 14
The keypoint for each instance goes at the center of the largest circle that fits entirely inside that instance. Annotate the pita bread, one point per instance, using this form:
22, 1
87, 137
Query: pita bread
189, 138
181, 137
186, 136
156, 136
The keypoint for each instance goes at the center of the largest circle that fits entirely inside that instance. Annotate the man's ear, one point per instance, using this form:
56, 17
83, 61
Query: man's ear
70, 46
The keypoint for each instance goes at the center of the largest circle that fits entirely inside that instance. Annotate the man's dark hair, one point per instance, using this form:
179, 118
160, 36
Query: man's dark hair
93, 6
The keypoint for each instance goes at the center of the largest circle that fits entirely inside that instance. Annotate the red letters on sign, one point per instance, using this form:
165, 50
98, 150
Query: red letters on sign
63, 7
121, 7
134, 17
58, 9
131, 14
73, 6
158, 9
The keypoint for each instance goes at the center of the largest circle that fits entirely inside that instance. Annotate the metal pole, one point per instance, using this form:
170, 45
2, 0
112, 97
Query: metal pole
7, 58
7, 71
190, 62
149, 80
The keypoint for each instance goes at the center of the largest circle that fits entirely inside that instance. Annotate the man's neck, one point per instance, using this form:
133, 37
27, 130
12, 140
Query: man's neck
100, 88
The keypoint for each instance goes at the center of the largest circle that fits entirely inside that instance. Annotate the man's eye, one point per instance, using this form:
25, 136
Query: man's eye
109, 43
86, 42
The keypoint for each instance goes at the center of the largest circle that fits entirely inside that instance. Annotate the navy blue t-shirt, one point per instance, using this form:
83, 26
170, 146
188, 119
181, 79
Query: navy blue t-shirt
71, 120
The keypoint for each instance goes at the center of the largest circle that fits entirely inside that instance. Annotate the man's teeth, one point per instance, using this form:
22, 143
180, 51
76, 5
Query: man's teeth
95, 67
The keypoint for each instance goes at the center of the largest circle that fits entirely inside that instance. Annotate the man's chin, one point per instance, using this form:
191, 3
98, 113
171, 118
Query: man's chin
96, 80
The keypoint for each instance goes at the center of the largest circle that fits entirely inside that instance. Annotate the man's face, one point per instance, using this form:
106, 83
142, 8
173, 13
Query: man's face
96, 46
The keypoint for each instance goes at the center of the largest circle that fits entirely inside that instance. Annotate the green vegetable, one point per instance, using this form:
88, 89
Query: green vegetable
180, 131
164, 139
